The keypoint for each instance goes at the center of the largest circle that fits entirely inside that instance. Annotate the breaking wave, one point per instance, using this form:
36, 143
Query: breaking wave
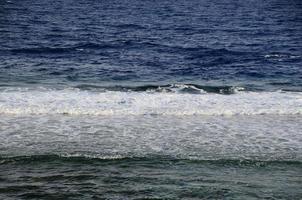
168, 101
89, 159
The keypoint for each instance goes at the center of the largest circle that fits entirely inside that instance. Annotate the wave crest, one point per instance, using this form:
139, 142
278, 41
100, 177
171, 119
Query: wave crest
89, 159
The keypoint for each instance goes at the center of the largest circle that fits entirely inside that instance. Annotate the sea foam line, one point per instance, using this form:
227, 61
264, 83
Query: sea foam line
79, 102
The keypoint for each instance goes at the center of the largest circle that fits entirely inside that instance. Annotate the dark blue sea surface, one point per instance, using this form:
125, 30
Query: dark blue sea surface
252, 43
149, 99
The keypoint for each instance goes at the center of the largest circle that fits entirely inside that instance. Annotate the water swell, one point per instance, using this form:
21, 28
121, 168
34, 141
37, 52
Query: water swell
60, 50
194, 52
69, 158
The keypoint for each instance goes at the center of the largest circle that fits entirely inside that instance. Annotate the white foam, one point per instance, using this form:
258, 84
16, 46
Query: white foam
80, 102
281, 56
265, 137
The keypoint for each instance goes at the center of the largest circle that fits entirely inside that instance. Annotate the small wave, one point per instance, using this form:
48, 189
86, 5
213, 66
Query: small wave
169, 88
281, 57
40, 50
24, 101
55, 157
64, 49
77, 158
129, 26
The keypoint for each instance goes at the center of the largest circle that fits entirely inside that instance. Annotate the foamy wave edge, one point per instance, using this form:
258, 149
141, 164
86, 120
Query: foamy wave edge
79, 102
156, 158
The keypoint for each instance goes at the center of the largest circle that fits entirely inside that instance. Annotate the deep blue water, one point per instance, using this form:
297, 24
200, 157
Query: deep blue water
252, 43
150, 99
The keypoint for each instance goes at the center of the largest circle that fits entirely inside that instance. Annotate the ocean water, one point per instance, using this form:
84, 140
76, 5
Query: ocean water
141, 99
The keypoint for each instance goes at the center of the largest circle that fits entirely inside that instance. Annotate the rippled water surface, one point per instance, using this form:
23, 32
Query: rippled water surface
150, 99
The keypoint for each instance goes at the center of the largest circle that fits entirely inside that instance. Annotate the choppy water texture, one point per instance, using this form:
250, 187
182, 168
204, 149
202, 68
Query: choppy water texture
150, 99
